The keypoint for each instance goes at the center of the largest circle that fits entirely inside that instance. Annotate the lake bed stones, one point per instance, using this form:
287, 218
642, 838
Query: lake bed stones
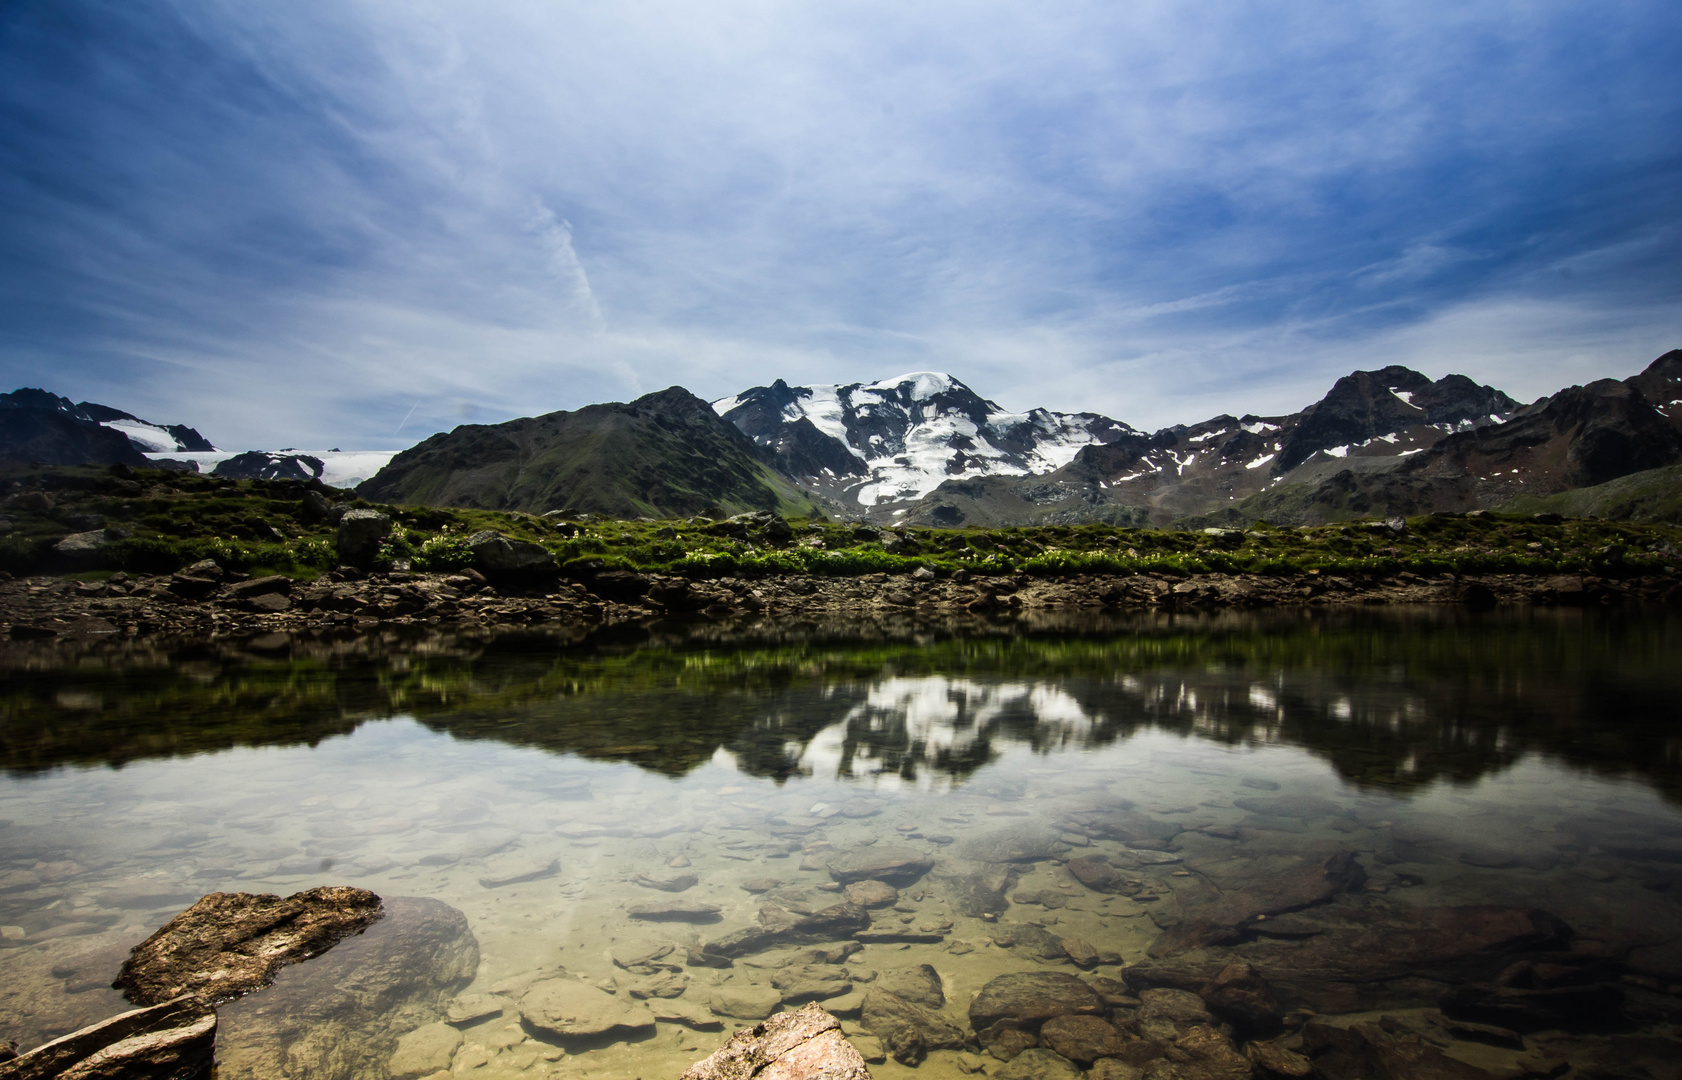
895, 866
1083, 1039
675, 883
674, 911
515, 868
1024, 844
870, 894
1038, 1064
568, 1009
1025, 1000
424, 1051
745, 1001
908, 1031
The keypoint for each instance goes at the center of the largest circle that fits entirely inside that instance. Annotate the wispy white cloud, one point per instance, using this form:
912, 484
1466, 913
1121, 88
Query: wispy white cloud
1155, 210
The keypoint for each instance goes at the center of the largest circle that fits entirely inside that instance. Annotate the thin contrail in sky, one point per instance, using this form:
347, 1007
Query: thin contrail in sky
408, 414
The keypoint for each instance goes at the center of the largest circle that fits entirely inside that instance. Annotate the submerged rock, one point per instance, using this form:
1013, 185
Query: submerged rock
805, 1044
1020, 845
1234, 893
895, 866
1024, 1000
229, 944
674, 884
340, 1015
675, 911
1039, 1064
566, 1008
778, 927
1083, 1039
174, 1040
870, 894
908, 1030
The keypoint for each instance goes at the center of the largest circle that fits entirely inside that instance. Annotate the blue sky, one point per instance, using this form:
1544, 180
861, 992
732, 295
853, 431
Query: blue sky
355, 223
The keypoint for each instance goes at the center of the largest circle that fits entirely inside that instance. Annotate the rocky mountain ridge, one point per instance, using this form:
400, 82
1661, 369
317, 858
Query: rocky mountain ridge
36, 425
666, 454
870, 444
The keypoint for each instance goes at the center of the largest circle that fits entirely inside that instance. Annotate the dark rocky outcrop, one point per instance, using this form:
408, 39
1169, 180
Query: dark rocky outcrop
229, 944
261, 465
803, 1044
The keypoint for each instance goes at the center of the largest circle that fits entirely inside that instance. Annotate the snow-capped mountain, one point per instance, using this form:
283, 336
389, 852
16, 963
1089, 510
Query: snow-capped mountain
894, 441
146, 437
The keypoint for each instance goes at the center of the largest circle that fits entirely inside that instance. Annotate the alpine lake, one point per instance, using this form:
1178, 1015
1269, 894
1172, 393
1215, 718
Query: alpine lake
1385, 813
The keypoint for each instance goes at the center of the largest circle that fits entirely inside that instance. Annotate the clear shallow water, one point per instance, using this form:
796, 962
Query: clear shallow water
1528, 760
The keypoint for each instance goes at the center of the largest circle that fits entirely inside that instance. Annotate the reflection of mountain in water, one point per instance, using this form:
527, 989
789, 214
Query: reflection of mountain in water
1395, 699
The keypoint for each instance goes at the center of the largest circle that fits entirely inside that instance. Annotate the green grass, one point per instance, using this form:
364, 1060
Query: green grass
259, 526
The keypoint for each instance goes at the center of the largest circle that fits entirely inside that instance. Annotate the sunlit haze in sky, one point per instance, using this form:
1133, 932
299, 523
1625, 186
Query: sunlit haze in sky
362, 221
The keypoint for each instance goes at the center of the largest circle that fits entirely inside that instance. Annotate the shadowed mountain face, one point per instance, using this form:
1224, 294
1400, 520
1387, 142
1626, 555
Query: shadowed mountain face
663, 455
36, 425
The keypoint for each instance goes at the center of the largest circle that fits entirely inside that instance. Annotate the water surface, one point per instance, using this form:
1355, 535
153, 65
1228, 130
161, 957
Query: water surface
1526, 759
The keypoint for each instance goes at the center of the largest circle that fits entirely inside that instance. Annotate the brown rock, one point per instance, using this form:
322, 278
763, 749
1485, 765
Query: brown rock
919, 985
895, 866
1211, 1056
1083, 1038
1272, 1059
675, 883
1240, 995
1234, 892
567, 1008
805, 1044
174, 1040
229, 944
838, 921
1024, 1000
1007, 1044
1095, 872
908, 1031
870, 894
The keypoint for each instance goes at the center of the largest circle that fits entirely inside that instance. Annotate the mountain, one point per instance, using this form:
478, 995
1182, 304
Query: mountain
667, 454
925, 449
1581, 436
865, 446
36, 425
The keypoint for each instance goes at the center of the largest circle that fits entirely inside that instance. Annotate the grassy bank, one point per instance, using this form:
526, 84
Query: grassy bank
148, 521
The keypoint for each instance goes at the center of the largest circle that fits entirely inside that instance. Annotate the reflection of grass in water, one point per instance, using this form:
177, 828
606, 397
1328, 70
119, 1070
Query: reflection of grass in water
1391, 700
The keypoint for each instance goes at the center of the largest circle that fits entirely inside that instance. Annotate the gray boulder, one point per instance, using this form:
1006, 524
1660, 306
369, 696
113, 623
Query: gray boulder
360, 534
494, 554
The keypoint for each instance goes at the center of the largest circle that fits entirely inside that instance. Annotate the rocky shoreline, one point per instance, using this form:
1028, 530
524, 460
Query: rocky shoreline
205, 599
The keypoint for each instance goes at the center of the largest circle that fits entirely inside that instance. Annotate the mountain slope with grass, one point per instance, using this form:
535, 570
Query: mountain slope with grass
666, 454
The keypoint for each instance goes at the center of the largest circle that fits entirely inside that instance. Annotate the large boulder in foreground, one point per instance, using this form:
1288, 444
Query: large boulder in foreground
805, 1044
360, 533
229, 944
172, 1041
